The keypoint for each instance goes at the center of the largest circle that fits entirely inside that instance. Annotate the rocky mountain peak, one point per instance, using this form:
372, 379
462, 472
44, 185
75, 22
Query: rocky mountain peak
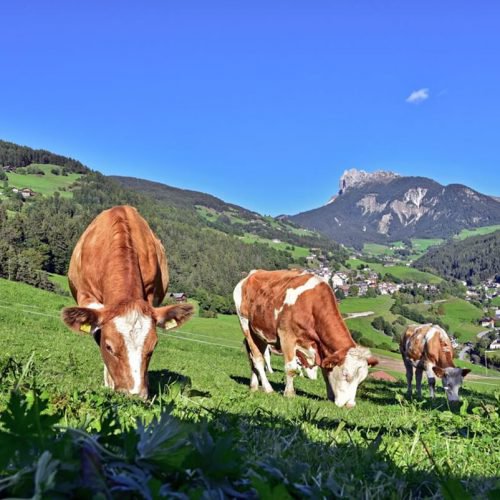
357, 178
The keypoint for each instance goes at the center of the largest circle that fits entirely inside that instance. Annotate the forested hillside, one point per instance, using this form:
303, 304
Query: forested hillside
230, 218
14, 155
473, 259
201, 260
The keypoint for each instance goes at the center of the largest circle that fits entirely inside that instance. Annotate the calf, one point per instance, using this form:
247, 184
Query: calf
428, 347
296, 313
118, 276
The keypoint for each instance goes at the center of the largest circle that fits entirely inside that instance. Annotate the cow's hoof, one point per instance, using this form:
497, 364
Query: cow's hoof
268, 390
289, 394
254, 388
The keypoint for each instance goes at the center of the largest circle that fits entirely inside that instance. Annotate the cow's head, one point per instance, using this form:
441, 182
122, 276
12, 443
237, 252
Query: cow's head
127, 338
344, 371
452, 380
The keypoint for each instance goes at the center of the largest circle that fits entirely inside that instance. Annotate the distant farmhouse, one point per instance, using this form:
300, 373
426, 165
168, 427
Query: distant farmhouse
25, 192
178, 297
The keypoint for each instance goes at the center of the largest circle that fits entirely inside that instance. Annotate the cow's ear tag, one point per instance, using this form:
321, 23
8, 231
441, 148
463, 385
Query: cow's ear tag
170, 324
85, 328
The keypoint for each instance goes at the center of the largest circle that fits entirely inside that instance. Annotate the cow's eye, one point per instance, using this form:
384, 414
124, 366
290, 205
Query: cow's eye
109, 348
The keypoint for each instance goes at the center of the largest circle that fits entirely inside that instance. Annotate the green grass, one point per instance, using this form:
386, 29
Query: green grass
297, 251
384, 447
467, 233
404, 273
60, 281
460, 315
379, 305
421, 245
46, 184
496, 301
377, 249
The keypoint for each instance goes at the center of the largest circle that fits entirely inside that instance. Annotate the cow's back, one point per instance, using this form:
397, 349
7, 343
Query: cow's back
427, 343
265, 295
113, 238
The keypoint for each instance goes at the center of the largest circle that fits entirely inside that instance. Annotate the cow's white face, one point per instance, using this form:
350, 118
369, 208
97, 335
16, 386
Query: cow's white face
345, 377
127, 338
452, 380
127, 343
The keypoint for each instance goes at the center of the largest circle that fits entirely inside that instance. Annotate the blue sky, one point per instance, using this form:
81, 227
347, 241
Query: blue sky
262, 103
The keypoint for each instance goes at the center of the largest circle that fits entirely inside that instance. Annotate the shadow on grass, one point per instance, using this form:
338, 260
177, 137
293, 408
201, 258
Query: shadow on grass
279, 387
353, 463
161, 381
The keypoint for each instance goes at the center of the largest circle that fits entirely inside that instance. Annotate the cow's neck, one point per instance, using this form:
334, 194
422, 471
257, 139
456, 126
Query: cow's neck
445, 359
335, 335
122, 282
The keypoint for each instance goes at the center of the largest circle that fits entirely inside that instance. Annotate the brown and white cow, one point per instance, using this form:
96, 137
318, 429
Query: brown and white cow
118, 276
296, 312
428, 347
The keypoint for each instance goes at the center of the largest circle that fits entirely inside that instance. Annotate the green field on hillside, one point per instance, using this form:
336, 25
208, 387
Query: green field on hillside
295, 250
421, 245
46, 184
467, 233
304, 447
404, 273
460, 315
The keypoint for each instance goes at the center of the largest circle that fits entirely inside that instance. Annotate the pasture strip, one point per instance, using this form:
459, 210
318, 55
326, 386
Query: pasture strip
32, 312
208, 336
17, 304
199, 341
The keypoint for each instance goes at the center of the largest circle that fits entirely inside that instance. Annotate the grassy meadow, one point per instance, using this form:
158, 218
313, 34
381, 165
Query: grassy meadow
253, 444
460, 315
46, 184
404, 273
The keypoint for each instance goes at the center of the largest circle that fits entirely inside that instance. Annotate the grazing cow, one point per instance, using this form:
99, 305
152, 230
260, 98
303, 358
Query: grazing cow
296, 313
118, 276
428, 347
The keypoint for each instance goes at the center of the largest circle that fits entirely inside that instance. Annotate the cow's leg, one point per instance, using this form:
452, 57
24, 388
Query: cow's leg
418, 380
254, 378
291, 369
256, 349
409, 377
267, 359
432, 381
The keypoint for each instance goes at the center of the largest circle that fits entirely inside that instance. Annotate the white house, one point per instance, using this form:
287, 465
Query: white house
337, 280
495, 344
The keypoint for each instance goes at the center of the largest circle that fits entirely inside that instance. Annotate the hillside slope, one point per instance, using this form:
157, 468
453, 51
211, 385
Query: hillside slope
473, 259
232, 219
385, 207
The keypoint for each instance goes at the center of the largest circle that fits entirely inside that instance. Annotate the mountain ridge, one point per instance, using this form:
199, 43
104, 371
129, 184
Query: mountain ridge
384, 207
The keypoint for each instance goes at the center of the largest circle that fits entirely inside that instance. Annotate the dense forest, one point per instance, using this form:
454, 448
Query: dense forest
473, 259
14, 155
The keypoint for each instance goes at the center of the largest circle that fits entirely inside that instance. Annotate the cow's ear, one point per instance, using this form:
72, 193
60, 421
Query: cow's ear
81, 319
372, 361
465, 371
335, 359
172, 316
438, 371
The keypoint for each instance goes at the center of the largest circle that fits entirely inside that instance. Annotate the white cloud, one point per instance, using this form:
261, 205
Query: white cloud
417, 96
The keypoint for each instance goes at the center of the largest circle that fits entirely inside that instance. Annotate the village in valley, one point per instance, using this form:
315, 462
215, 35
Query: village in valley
364, 279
